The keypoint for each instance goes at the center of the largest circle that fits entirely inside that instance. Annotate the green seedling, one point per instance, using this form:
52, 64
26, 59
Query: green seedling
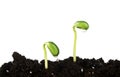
81, 25
53, 48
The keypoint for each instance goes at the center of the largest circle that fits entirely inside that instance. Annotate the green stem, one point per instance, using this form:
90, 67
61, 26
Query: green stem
74, 47
45, 57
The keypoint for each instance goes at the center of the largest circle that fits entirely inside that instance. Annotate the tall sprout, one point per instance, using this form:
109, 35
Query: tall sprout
80, 25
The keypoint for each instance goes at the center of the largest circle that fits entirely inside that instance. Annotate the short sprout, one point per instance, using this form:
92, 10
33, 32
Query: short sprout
53, 48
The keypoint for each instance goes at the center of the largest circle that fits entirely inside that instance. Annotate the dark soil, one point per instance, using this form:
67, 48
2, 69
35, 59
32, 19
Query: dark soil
22, 67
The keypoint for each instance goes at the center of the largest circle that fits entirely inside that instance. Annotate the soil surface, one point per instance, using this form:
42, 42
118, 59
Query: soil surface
22, 67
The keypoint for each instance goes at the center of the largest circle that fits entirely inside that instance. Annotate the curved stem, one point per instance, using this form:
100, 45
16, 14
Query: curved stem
45, 57
74, 47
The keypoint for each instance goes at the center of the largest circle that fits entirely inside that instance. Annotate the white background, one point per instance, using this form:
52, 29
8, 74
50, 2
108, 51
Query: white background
26, 24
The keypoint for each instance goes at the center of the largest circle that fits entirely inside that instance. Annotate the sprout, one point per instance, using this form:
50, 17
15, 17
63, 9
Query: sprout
81, 25
52, 48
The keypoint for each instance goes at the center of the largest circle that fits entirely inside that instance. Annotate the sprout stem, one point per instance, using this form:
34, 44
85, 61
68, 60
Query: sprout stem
74, 47
45, 56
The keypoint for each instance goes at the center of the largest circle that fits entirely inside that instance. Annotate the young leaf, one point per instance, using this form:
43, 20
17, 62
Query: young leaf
81, 25
53, 48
